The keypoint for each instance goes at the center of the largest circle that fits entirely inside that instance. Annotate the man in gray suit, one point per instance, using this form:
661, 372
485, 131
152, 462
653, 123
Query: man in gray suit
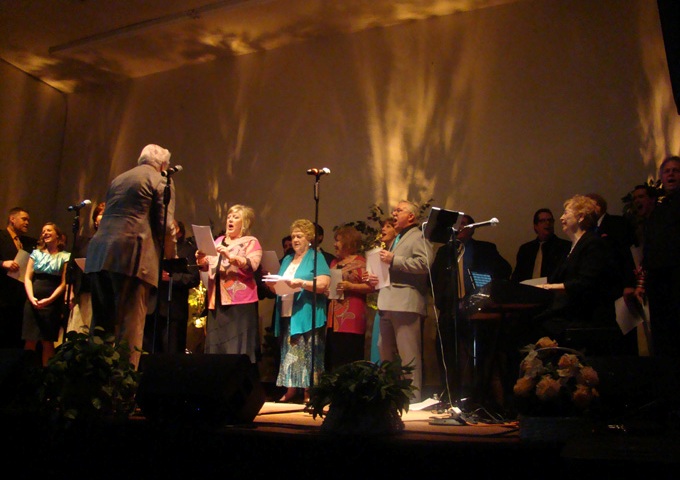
124, 254
403, 304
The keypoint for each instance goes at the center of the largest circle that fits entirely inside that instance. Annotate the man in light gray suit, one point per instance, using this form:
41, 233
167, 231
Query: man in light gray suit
124, 254
403, 304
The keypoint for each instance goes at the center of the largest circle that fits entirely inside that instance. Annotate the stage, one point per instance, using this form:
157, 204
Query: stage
285, 441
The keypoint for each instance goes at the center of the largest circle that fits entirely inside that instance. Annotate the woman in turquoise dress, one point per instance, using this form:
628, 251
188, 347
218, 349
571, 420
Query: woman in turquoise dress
293, 314
45, 285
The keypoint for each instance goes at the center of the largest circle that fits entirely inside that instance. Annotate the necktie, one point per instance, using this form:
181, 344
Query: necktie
538, 262
17, 242
394, 243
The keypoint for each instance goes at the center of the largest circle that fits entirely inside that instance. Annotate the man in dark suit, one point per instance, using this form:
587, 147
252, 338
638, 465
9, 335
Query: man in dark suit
618, 236
319, 239
477, 256
124, 254
480, 256
12, 293
168, 333
553, 249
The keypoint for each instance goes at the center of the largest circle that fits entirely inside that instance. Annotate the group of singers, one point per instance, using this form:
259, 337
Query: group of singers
321, 330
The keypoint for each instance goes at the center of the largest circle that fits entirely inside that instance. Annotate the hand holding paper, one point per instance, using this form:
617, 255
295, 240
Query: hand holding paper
280, 286
377, 267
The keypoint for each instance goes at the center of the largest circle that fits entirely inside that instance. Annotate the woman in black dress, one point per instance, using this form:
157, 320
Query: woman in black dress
45, 284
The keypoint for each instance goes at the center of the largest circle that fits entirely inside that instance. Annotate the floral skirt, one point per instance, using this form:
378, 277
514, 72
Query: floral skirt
296, 357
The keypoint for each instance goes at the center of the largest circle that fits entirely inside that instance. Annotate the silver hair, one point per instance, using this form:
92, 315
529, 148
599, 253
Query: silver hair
157, 157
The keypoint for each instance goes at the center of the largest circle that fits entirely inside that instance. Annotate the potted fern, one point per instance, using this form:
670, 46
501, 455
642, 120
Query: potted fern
363, 397
89, 379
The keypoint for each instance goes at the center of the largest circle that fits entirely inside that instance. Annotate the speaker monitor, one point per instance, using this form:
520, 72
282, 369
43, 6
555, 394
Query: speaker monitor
633, 388
15, 378
210, 389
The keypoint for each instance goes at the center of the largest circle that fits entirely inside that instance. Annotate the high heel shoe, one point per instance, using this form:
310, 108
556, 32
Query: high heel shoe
288, 397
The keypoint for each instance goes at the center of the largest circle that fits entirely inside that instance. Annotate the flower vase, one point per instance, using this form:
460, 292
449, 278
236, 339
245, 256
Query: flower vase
553, 429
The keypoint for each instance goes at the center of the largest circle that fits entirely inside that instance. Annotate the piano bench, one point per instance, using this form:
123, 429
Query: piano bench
600, 341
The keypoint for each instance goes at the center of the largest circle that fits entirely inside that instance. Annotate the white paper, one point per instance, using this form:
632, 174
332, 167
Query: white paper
22, 259
636, 252
428, 402
81, 263
280, 286
377, 267
270, 262
628, 318
205, 277
535, 282
272, 278
336, 277
204, 239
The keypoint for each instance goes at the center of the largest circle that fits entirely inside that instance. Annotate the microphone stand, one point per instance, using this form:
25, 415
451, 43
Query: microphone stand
314, 271
455, 415
70, 268
166, 200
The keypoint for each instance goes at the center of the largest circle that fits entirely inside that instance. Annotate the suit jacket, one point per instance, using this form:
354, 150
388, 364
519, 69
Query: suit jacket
409, 270
485, 259
587, 299
129, 237
12, 291
555, 249
619, 236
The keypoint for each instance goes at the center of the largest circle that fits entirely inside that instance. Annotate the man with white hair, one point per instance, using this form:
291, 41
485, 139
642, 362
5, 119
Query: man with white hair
124, 254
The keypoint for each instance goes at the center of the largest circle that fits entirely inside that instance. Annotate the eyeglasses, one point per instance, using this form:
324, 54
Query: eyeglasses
546, 220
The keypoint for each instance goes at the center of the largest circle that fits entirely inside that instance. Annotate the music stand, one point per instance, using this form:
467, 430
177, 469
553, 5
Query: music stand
172, 266
441, 224
441, 227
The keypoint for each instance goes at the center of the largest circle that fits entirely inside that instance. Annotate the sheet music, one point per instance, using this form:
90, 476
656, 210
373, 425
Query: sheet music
377, 267
535, 282
270, 262
280, 285
204, 239
336, 277
629, 318
81, 263
22, 259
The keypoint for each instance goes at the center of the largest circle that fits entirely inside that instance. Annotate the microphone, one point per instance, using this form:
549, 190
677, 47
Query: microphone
319, 171
172, 170
493, 222
79, 205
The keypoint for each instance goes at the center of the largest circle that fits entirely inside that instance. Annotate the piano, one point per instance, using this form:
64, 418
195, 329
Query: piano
506, 296
496, 309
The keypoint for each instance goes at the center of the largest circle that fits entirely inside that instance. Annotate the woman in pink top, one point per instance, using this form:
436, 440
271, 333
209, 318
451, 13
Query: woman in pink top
232, 307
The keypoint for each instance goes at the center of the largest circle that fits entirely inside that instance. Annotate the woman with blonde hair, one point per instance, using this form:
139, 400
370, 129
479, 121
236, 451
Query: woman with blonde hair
582, 282
232, 326
300, 339
45, 284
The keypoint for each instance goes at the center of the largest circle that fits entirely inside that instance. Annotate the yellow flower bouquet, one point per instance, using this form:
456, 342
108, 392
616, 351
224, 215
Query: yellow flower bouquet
555, 381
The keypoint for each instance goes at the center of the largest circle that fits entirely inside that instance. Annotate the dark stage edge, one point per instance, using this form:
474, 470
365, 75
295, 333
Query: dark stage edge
139, 448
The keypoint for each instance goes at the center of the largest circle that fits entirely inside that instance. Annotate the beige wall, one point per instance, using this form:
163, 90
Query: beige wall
495, 113
32, 119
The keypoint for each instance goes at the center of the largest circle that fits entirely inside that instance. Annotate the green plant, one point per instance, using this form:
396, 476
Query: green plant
363, 397
89, 377
370, 230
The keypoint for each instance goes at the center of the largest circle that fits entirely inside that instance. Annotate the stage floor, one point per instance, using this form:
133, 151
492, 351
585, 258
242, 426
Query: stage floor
423, 424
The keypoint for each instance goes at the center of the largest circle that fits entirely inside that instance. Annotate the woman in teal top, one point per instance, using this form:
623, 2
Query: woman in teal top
45, 284
293, 313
